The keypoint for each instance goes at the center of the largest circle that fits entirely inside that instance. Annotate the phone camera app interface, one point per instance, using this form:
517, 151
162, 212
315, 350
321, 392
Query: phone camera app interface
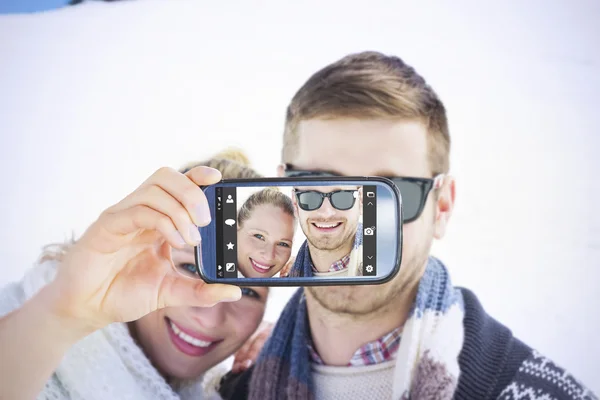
300, 231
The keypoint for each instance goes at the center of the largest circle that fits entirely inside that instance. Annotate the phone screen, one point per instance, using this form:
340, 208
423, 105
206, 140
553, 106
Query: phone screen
299, 231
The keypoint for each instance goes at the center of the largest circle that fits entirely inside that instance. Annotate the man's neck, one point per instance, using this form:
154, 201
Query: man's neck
324, 259
336, 337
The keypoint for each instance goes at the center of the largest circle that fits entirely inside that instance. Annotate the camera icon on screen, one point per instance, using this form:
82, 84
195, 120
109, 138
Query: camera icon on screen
369, 231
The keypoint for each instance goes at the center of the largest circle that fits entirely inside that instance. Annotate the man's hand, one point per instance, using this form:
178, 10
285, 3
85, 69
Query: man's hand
248, 353
285, 271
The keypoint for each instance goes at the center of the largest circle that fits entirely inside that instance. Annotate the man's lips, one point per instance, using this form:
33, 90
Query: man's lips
326, 226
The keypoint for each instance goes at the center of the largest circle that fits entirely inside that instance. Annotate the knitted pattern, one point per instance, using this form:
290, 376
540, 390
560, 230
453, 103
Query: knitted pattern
358, 382
539, 378
107, 364
426, 363
494, 365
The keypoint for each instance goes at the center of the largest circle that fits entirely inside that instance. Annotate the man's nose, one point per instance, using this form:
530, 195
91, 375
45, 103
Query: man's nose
326, 210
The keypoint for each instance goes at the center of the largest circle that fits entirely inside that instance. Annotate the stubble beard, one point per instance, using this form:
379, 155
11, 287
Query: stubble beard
369, 301
329, 243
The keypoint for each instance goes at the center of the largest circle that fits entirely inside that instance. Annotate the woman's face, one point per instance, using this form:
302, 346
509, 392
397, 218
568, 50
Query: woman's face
265, 242
185, 342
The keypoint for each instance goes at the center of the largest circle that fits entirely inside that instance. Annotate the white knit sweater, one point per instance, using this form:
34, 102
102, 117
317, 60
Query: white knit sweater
361, 382
106, 364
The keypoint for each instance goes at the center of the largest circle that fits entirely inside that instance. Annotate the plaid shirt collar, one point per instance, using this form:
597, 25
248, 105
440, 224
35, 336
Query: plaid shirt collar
375, 352
336, 266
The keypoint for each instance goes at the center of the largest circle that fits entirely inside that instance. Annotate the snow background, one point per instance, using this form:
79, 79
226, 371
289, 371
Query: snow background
95, 98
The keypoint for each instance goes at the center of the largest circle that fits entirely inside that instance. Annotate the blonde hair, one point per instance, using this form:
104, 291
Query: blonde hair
270, 196
232, 162
370, 85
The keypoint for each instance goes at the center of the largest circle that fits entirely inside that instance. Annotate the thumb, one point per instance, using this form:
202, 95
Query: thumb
179, 291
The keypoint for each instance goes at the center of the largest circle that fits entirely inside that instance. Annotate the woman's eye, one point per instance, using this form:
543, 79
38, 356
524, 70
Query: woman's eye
250, 293
187, 267
258, 236
284, 244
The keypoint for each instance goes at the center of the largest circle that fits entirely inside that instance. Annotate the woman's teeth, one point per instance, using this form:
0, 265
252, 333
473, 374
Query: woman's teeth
187, 338
260, 266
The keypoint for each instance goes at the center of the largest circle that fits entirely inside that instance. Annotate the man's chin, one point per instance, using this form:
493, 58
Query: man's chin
350, 300
328, 244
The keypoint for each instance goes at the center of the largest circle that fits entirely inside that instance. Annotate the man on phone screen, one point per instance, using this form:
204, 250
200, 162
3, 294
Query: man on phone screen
330, 219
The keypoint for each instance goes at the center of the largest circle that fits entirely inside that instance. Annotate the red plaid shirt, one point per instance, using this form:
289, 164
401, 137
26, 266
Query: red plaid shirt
375, 352
336, 266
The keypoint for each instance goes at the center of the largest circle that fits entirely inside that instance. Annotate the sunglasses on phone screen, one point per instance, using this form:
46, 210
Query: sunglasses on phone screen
310, 200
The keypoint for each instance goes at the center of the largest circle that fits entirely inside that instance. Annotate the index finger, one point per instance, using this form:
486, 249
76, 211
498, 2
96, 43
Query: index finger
242, 352
286, 269
203, 176
182, 187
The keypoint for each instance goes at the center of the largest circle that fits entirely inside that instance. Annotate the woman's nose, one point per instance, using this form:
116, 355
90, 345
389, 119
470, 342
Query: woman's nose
210, 317
269, 251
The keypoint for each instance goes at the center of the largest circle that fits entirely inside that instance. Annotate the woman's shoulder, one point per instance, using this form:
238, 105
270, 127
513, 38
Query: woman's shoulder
15, 293
205, 387
212, 382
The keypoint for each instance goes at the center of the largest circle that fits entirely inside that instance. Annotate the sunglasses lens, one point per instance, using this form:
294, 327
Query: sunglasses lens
342, 200
412, 196
309, 201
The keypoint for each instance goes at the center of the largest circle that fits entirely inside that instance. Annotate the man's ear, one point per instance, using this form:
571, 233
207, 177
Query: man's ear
281, 170
295, 203
360, 199
444, 206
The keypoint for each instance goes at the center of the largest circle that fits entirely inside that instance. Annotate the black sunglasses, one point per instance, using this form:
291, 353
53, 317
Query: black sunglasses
310, 200
414, 191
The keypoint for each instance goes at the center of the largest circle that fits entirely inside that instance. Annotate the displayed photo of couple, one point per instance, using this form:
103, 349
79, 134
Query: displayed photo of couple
328, 243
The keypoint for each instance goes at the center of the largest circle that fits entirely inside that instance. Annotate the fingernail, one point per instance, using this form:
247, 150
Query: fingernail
195, 234
229, 300
177, 238
231, 297
248, 363
203, 214
213, 173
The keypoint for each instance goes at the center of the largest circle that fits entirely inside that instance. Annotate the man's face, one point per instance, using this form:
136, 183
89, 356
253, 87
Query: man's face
328, 227
378, 148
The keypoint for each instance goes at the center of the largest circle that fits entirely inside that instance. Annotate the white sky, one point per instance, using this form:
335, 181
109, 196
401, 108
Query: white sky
94, 98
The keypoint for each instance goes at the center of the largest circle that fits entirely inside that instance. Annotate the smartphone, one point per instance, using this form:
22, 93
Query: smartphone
304, 231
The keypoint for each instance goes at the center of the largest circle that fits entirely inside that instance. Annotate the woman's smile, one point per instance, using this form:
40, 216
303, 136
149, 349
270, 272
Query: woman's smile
259, 267
188, 342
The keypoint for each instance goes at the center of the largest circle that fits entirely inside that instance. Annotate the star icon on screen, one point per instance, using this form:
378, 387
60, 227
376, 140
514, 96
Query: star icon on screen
230, 246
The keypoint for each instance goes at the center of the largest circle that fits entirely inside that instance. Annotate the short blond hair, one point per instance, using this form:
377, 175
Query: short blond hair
370, 85
232, 162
